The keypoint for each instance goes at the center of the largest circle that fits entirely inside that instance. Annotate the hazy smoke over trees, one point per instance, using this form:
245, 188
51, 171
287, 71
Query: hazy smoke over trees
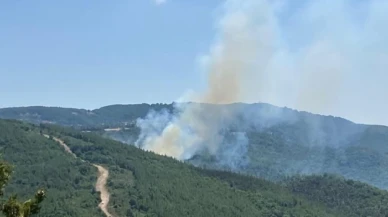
264, 51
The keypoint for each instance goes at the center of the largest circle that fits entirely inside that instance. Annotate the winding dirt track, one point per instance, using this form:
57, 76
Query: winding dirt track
103, 175
101, 187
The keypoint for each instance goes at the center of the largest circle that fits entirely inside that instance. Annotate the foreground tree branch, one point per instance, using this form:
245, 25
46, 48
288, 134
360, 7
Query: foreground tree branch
13, 207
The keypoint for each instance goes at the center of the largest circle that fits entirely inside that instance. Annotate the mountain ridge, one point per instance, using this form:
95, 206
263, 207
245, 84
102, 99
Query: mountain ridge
5, 111
10, 112
281, 141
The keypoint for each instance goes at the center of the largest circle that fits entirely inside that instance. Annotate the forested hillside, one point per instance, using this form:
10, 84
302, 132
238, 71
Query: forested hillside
115, 115
338, 193
41, 163
272, 155
281, 141
145, 184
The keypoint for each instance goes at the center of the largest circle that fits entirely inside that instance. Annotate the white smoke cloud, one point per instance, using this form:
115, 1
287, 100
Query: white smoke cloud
325, 49
307, 58
230, 61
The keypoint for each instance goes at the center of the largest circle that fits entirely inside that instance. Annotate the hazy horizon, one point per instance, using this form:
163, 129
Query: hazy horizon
324, 57
169, 103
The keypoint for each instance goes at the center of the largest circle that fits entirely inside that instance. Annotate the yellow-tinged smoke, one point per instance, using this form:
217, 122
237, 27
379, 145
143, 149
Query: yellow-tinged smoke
230, 62
263, 52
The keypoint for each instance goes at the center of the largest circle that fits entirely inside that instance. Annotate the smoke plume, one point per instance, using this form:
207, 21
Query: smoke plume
304, 55
230, 62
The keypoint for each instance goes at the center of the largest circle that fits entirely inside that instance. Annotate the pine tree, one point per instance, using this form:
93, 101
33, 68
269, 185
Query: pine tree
13, 207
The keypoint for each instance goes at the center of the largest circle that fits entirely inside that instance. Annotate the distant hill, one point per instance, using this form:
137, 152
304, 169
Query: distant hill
282, 141
145, 184
114, 115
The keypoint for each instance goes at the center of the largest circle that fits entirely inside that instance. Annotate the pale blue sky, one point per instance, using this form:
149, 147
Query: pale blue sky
93, 53
327, 57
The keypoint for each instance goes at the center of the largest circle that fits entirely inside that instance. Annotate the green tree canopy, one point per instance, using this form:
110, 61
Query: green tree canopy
13, 207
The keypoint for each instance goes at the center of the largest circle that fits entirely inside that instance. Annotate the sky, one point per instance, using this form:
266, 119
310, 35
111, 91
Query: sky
327, 57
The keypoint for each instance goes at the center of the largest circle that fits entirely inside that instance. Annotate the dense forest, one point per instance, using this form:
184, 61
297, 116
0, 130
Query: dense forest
41, 163
145, 184
272, 155
12, 206
282, 142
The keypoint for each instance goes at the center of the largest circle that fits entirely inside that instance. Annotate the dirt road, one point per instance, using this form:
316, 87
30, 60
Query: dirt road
101, 187
103, 175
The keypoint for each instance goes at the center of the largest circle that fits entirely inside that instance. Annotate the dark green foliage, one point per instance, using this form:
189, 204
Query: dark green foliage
145, 184
280, 151
13, 207
161, 186
350, 197
282, 141
5, 175
41, 163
